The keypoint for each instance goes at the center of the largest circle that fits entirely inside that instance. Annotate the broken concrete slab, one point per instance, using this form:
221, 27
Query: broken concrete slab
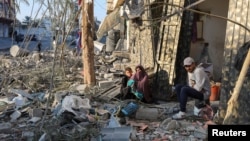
105, 83
118, 65
34, 120
100, 46
36, 112
21, 92
5, 127
83, 88
122, 54
19, 101
3, 105
108, 75
115, 134
15, 115
149, 113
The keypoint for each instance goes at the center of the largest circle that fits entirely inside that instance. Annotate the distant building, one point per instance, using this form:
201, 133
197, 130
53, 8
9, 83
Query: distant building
41, 31
7, 16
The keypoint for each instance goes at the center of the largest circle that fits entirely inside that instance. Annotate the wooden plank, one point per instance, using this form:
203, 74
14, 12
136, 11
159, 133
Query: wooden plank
111, 94
106, 91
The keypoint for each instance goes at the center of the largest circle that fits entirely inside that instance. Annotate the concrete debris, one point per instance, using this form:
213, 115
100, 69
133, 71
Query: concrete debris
82, 89
72, 102
28, 135
3, 105
22, 93
19, 101
15, 115
35, 107
34, 120
36, 112
145, 113
105, 84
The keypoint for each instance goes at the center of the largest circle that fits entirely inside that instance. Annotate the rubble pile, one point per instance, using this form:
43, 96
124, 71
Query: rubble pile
42, 98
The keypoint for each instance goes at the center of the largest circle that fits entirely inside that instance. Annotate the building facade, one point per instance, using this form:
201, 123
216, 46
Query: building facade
7, 16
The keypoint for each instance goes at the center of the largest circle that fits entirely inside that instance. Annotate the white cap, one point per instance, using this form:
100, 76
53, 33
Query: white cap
188, 61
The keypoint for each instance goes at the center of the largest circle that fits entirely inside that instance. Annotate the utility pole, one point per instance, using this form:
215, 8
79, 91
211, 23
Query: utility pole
87, 41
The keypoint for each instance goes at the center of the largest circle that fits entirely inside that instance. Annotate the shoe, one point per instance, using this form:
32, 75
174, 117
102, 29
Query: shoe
179, 115
197, 111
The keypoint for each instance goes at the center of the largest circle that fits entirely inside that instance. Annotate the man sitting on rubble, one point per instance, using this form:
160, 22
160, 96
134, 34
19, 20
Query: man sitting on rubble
198, 86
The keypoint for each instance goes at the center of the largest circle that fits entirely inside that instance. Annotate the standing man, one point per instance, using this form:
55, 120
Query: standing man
39, 46
79, 43
54, 43
16, 37
198, 86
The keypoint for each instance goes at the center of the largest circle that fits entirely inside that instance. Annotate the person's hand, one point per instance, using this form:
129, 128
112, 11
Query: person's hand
192, 83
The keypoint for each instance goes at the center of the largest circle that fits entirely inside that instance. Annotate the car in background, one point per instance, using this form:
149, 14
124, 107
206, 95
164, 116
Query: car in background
19, 37
31, 37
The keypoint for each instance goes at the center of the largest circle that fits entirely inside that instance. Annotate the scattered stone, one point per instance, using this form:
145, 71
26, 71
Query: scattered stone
34, 119
105, 83
83, 89
5, 127
149, 113
36, 112
14, 116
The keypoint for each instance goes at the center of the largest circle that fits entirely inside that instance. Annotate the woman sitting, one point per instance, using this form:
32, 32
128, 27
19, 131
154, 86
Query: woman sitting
142, 84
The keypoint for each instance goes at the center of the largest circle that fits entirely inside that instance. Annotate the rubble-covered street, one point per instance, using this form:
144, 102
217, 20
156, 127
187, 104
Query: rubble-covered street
43, 98
63, 64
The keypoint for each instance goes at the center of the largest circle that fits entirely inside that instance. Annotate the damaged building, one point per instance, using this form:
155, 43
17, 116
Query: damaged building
159, 34
6, 17
43, 96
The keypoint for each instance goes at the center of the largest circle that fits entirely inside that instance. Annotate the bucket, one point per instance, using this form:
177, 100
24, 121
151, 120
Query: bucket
214, 93
130, 109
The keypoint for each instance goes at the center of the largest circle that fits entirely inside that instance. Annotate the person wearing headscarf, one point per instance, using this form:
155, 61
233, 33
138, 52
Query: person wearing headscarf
142, 84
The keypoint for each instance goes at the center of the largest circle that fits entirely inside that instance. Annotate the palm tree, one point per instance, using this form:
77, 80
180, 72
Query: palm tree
27, 20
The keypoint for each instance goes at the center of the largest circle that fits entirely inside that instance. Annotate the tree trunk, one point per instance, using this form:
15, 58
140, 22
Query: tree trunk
87, 42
